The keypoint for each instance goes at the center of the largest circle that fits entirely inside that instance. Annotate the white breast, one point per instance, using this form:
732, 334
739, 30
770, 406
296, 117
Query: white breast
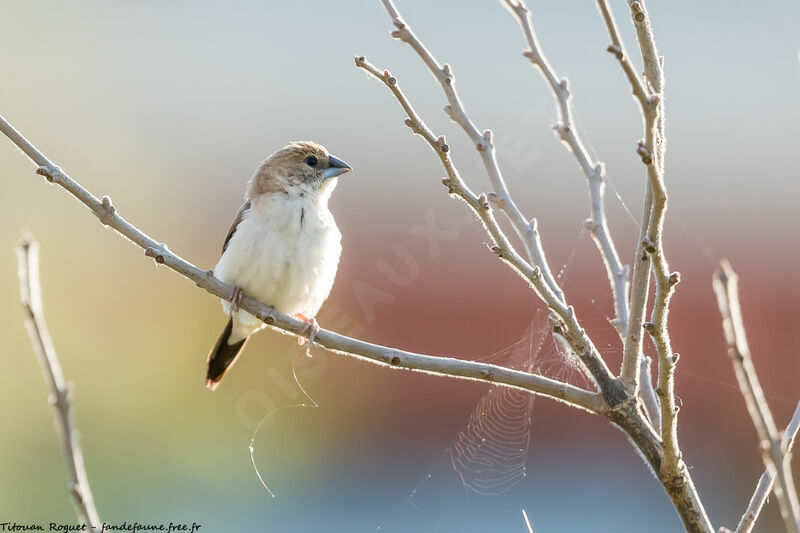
285, 253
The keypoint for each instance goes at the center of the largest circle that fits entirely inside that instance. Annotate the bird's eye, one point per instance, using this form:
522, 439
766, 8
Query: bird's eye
311, 161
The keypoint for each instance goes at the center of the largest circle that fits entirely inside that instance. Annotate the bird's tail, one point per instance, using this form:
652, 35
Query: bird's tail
222, 356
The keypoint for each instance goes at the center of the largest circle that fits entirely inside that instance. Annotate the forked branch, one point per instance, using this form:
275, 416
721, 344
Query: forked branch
481, 206
544, 284
650, 150
594, 171
767, 479
623, 410
526, 230
632, 354
776, 448
649, 93
651, 250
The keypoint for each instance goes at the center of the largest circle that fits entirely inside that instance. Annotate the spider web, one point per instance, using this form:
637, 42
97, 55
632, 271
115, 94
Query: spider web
490, 453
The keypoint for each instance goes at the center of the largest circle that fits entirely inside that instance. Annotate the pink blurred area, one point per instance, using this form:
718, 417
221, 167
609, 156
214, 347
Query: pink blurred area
168, 108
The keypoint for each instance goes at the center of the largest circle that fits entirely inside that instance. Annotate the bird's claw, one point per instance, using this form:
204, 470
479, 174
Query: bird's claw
235, 299
314, 327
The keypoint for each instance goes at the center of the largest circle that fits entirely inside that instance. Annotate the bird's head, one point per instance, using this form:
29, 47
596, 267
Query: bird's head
301, 167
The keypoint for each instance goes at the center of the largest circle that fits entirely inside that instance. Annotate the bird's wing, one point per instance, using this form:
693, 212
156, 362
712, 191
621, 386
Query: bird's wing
239, 217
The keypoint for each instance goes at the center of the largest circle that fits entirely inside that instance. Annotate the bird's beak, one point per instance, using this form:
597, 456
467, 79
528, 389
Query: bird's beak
336, 167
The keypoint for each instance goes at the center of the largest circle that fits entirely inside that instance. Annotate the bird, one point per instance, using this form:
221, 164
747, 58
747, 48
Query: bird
282, 249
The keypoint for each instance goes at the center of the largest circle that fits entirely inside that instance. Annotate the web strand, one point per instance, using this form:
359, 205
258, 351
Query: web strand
269, 416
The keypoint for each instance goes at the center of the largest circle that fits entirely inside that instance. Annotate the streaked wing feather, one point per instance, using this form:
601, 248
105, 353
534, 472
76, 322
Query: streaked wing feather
239, 216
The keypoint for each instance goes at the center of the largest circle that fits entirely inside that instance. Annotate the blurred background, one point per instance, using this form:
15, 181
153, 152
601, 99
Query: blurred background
168, 107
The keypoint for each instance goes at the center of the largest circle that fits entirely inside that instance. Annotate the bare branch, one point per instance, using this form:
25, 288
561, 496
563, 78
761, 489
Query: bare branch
648, 394
205, 279
757, 501
594, 171
726, 287
775, 457
549, 290
651, 151
767, 479
651, 246
640, 284
526, 230
639, 294
527, 521
621, 408
481, 207
31, 294
641, 276
641, 269
618, 49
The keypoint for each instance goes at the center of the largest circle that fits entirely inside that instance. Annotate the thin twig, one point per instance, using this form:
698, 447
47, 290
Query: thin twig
526, 230
727, 289
205, 279
617, 47
594, 171
648, 394
31, 294
767, 479
528, 525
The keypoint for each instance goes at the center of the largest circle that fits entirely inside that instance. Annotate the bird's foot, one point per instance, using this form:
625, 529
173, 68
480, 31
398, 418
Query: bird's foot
313, 325
235, 299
